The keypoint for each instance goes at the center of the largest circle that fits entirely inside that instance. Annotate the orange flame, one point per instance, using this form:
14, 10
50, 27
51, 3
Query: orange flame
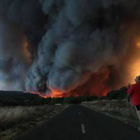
94, 87
53, 94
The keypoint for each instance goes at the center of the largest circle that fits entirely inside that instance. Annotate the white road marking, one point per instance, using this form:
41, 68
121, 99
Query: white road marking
83, 129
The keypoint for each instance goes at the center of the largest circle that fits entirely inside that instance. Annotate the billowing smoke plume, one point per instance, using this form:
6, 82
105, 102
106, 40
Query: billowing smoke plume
12, 58
21, 28
76, 46
84, 38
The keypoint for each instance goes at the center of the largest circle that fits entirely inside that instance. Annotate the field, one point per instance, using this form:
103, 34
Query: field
118, 109
16, 121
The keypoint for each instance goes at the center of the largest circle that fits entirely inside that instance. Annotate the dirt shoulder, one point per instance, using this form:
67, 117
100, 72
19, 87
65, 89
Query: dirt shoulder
118, 109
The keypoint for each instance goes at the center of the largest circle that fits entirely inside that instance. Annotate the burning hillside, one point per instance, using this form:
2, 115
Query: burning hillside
69, 47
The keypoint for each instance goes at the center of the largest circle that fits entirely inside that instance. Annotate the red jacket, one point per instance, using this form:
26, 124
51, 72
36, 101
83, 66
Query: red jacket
134, 92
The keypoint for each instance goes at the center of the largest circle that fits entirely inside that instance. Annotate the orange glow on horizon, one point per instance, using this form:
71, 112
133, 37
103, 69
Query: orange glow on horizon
135, 70
54, 94
94, 87
135, 66
138, 43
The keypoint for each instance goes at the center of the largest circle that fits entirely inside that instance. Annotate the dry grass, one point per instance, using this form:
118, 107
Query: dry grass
118, 109
20, 120
10, 114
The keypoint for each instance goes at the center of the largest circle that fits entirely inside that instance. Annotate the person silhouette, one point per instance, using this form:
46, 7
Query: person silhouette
134, 95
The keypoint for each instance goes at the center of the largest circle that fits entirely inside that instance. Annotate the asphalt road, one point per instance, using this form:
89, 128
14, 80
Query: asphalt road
80, 123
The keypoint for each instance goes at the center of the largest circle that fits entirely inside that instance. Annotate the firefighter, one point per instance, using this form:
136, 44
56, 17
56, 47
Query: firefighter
134, 95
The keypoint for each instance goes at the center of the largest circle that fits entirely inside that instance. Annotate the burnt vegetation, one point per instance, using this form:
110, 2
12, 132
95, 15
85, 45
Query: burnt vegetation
12, 98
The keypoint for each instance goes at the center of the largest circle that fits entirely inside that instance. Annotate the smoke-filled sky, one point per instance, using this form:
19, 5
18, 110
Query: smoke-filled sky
69, 46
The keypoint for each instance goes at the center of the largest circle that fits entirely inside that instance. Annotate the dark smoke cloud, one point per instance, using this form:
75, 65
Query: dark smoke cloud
82, 38
13, 63
69, 41
21, 28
